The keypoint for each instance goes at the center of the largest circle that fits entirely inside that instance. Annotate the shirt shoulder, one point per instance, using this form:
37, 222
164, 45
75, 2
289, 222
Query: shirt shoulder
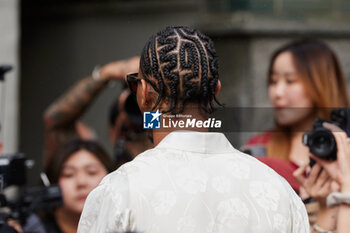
272, 192
107, 208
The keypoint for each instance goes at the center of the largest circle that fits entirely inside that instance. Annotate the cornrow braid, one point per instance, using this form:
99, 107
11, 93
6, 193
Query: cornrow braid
214, 63
171, 76
182, 66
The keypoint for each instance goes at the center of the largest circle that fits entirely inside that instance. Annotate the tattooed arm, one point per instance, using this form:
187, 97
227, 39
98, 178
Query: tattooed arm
69, 107
61, 117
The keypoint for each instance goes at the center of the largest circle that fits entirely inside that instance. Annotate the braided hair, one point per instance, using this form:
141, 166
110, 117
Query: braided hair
181, 64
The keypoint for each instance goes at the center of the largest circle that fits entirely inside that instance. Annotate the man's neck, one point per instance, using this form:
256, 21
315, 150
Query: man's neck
195, 113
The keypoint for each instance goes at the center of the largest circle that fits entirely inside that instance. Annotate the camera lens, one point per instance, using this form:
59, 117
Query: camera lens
323, 144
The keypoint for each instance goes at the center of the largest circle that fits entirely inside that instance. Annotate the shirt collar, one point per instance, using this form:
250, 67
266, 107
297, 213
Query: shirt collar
193, 141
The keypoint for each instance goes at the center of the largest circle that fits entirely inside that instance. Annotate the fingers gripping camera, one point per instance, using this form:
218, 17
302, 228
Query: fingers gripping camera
321, 141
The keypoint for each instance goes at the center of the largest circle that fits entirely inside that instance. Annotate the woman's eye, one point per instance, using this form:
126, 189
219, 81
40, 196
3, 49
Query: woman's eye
92, 173
273, 79
291, 81
67, 175
272, 82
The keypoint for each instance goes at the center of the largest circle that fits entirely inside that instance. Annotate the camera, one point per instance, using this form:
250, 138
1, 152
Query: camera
29, 200
13, 172
321, 141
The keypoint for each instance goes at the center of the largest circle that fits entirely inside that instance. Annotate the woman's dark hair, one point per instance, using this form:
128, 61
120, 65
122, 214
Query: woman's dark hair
320, 73
181, 65
55, 165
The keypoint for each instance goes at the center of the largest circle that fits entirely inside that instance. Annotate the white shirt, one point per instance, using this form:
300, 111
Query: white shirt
193, 182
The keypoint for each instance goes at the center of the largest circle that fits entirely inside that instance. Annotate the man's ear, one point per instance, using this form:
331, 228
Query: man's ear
218, 88
112, 135
146, 94
143, 92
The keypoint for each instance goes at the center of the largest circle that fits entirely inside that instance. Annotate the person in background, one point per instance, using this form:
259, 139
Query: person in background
78, 168
305, 81
61, 118
192, 180
126, 129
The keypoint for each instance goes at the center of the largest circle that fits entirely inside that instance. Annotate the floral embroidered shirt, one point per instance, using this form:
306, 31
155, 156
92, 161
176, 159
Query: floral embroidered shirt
193, 182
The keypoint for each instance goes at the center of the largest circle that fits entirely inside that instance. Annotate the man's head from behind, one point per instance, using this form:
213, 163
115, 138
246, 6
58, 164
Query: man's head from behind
179, 66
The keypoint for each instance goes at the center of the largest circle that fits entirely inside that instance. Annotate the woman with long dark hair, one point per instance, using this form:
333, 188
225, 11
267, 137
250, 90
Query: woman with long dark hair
305, 81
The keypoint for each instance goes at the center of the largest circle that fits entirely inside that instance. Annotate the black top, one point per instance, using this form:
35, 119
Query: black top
45, 224
51, 225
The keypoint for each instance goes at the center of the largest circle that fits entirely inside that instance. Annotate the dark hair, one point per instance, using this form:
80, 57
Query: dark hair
181, 64
54, 166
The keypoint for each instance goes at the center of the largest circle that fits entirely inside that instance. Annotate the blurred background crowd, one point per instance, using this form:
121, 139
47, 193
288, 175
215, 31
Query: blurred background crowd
61, 42
53, 45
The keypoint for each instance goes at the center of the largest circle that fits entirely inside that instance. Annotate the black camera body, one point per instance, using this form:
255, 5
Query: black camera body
321, 141
13, 172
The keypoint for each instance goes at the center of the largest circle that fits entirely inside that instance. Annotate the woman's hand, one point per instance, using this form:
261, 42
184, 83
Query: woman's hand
15, 225
339, 170
318, 183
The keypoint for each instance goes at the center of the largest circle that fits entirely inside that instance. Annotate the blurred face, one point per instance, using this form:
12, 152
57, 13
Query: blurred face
117, 131
287, 94
121, 122
81, 173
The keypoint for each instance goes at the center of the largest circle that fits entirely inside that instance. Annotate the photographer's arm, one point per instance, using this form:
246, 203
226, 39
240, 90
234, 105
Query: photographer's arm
61, 117
71, 105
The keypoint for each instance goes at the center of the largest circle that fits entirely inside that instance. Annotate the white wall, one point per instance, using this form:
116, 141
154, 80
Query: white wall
9, 90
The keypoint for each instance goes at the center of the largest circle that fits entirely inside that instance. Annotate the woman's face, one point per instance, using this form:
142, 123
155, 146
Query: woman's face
81, 173
287, 94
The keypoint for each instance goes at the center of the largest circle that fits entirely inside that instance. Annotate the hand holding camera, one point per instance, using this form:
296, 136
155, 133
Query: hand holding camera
339, 170
321, 141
